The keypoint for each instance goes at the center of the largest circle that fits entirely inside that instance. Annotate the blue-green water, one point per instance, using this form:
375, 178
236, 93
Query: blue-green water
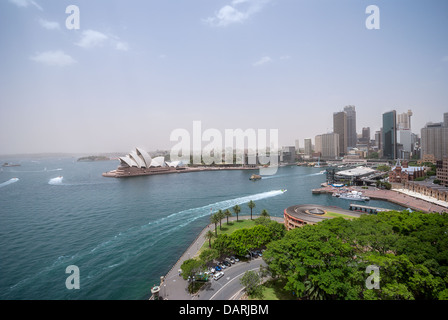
122, 234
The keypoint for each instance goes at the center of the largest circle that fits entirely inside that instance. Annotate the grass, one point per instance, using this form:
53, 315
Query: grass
273, 290
337, 215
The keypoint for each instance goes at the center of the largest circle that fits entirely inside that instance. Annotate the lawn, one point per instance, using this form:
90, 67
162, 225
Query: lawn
337, 215
273, 290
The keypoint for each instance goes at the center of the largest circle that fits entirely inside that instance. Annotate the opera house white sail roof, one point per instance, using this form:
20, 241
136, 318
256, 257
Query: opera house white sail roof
141, 159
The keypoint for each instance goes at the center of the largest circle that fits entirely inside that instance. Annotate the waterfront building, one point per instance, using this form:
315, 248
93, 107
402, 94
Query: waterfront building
428, 189
327, 145
288, 154
389, 135
434, 140
300, 215
352, 137
340, 127
308, 147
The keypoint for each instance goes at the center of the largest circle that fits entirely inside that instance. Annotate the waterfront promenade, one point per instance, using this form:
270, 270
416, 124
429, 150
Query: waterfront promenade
174, 286
406, 200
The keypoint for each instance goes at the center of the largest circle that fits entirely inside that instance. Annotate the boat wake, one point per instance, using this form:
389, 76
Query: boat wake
56, 181
10, 181
139, 238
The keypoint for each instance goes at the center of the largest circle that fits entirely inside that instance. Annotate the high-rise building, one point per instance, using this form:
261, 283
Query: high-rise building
378, 139
328, 145
434, 140
340, 127
445, 119
404, 120
308, 147
352, 137
389, 135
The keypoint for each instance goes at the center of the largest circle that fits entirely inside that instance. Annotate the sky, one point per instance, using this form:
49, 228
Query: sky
136, 70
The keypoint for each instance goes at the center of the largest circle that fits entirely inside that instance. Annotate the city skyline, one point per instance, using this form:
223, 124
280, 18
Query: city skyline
132, 74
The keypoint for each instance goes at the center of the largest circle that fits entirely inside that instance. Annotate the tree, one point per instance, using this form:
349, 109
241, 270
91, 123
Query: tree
227, 214
236, 209
251, 205
215, 219
190, 267
209, 236
220, 216
251, 280
264, 213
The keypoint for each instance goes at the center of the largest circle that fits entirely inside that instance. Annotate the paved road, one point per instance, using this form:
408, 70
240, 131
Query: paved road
174, 286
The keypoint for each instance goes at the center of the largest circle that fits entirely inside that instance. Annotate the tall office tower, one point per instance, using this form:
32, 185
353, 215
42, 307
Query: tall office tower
404, 120
378, 138
434, 140
389, 135
308, 147
366, 134
328, 145
445, 119
352, 137
297, 145
340, 127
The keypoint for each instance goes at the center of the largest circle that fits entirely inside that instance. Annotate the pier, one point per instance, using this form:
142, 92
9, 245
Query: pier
374, 210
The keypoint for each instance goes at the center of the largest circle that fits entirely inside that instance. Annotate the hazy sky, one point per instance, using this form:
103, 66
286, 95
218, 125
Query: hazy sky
137, 70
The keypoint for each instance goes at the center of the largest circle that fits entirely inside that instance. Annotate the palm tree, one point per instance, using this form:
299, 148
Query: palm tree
221, 216
209, 235
228, 214
215, 219
236, 209
251, 205
264, 213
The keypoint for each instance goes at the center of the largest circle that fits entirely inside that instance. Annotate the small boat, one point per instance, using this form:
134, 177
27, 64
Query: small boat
6, 164
255, 177
284, 190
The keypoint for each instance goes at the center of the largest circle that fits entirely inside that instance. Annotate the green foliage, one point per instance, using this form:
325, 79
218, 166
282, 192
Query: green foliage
191, 267
242, 240
328, 260
251, 280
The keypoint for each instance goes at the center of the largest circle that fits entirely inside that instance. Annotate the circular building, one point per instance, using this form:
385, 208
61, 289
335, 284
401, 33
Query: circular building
300, 215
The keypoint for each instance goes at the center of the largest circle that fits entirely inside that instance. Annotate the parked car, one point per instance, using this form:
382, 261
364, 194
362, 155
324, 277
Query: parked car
222, 265
212, 270
218, 275
218, 268
226, 263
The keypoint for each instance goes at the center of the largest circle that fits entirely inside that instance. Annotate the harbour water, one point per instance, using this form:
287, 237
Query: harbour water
122, 234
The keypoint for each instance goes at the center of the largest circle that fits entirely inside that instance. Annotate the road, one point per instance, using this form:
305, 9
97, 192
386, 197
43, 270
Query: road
229, 286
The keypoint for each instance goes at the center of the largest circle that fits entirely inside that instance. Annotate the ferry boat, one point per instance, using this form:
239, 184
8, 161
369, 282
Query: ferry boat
6, 164
354, 195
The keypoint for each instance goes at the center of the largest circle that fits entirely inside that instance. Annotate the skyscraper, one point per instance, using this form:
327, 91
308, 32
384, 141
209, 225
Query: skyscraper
435, 140
340, 127
352, 137
445, 119
404, 120
389, 135
328, 145
308, 147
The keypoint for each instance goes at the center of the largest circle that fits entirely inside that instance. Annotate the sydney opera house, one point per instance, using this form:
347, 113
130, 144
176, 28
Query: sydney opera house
139, 162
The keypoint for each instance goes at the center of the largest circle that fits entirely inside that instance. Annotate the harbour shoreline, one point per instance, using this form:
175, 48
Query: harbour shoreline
402, 199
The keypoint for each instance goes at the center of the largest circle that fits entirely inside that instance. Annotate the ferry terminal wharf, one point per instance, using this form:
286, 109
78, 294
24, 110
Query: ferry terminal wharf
393, 196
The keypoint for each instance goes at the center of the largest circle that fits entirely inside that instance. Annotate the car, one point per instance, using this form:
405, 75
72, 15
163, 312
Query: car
218, 275
212, 270
235, 258
226, 263
222, 265
218, 268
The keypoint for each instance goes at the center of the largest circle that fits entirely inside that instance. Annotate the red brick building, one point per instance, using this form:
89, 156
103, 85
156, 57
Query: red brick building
402, 173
